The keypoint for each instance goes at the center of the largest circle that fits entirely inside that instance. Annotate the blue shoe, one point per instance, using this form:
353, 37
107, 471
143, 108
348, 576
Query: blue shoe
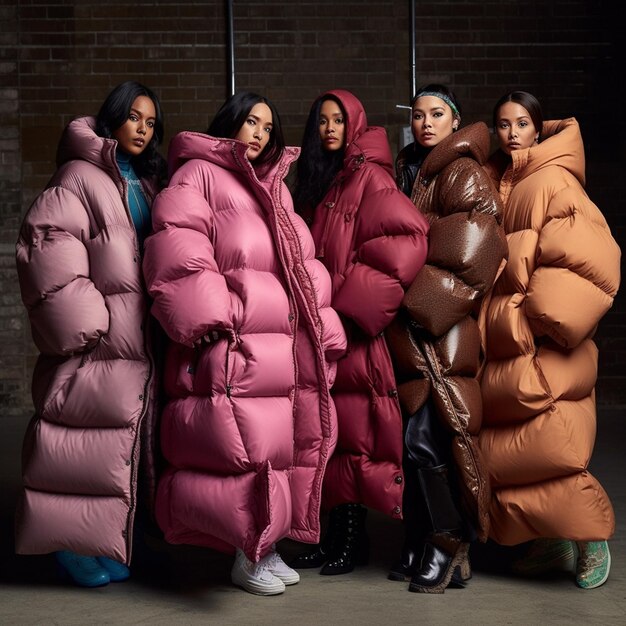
118, 572
83, 570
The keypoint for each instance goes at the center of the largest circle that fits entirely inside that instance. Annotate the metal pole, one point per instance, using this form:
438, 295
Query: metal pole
412, 47
231, 45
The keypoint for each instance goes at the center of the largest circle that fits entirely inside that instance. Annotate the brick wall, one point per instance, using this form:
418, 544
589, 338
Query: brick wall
59, 59
14, 346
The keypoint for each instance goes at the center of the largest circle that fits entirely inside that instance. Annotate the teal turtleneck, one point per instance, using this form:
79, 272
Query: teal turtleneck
137, 203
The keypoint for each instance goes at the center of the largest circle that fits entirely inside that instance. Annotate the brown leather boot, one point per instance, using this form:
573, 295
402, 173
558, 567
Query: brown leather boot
445, 556
445, 552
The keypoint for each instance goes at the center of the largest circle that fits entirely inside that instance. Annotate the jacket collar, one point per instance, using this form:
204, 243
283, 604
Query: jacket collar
79, 141
561, 145
227, 153
472, 141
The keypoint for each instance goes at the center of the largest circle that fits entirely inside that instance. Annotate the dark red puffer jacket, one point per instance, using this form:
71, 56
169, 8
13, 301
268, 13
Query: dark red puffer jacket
373, 242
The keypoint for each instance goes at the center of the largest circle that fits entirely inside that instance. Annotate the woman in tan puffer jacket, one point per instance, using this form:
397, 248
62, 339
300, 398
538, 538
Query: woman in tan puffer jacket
435, 342
538, 383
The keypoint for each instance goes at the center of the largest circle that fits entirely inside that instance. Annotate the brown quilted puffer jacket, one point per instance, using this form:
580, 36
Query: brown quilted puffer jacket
436, 342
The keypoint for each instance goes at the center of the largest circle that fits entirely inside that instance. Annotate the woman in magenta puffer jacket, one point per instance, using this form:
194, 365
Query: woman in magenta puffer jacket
373, 242
250, 423
79, 266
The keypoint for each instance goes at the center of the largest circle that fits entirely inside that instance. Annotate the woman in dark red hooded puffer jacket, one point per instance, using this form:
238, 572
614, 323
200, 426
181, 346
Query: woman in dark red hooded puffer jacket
373, 242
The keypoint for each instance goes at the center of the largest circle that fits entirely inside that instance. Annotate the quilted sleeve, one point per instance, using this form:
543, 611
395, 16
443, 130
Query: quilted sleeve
190, 295
466, 248
577, 273
67, 312
390, 245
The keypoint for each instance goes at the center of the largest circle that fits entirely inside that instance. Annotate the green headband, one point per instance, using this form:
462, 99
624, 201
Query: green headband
443, 97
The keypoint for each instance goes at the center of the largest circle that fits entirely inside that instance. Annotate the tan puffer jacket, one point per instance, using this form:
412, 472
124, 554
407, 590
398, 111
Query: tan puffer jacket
538, 383
436, 344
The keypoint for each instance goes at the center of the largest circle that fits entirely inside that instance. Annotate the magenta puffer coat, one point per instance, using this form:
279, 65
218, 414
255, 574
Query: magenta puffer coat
250, 423
373, 242
79, 269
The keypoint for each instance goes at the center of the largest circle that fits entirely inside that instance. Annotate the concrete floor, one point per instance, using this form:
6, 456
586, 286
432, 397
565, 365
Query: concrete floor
187, 585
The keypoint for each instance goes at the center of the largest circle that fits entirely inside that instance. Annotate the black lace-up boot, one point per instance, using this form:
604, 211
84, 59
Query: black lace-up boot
320, 553
350, 545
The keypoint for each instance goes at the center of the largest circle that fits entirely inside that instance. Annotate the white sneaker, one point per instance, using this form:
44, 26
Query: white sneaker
280, 569
255, 577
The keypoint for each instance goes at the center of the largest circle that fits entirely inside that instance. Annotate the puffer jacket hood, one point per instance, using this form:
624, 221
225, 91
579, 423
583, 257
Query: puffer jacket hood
471, 141
227, 153
79, 141
561, 145
363, 142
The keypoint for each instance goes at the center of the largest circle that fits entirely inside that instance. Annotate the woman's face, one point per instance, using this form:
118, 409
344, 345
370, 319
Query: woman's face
256, 130
136, 133
515, 128
332, 126
432, 121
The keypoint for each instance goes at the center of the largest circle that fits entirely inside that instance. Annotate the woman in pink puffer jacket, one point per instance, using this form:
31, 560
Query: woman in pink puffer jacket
250, 423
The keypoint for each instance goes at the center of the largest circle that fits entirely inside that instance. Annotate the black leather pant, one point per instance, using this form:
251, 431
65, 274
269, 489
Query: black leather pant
426, 442
430, 501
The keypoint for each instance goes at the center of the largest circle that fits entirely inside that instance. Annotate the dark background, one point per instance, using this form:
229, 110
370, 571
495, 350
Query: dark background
59, 59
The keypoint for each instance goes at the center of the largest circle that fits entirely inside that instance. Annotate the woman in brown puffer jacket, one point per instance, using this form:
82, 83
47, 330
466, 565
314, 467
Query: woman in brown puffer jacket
435, 342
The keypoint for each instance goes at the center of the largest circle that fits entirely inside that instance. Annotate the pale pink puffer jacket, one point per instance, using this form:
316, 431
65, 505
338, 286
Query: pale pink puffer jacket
250, 423
80, 277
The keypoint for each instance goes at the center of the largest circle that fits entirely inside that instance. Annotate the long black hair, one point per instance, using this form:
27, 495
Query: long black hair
525, 99
316, 167
114, 113
232, 116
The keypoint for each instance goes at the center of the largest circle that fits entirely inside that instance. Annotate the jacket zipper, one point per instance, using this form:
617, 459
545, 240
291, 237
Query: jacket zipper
136, 443
435, 371
226, 372
330, 215
134, 457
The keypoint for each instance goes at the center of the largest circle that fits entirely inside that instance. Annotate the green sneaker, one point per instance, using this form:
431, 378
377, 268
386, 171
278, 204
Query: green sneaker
594, 564
545, 556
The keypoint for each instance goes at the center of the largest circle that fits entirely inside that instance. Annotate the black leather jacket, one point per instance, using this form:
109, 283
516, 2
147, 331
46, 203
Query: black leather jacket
408, 163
